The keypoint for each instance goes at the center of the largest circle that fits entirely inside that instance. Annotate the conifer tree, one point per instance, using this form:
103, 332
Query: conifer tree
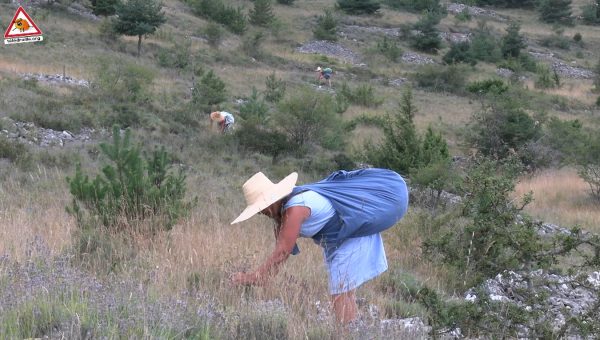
104, 7
512, 42
262, 13
358, 6
326, 27
210, 91
138, 18
555, 11
428, 39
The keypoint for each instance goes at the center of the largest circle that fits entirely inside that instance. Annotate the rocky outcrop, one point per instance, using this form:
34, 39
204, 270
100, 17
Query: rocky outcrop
29, 133
455, 8
56, 79
561, 67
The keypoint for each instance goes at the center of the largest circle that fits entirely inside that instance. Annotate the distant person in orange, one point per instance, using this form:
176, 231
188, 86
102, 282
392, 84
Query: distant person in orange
324, 73
224, 119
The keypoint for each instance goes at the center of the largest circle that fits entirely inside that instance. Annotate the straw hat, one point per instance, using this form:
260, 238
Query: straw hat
319, 68
217, 116
260, 193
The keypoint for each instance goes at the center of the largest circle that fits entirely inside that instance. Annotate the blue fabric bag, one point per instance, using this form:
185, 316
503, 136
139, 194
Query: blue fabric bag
366, 201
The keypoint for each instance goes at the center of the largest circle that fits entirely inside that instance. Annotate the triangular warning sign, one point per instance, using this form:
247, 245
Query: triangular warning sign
21, 26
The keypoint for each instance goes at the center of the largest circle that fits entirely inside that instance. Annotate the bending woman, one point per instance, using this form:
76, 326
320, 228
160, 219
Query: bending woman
344, 213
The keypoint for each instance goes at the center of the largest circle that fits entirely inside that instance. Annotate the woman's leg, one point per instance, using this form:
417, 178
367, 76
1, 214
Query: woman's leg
344, 306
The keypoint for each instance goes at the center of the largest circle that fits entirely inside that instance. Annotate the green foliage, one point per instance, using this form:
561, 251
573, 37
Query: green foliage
15, 151
138, 18
557, 40
256, 137
389, 48
484, 45
251, 45
177, 57
213, 34
232, 18
502, 128
588, 163
450, 78
428, 38
460, 53
591, 12
555, 11
307, 117
402, 149
546, 78
596, 80
357, 7
488, 86
513, 42
326, 27
117, 81
363, 94
262, 325
131, 187
507, 3
286, 2
464, 15
577, 37
209, 91
416, 6
262, 13
255, 109
104, 7
275, 88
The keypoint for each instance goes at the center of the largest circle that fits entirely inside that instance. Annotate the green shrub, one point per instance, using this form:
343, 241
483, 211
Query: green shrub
557, 40
275, 88
590, 12
488, 86
255, 109
262, 13
416, 6
555, 11
546, 78
357, 7
306, 117
326, 27
15, 151
285, 2
209, 91
484, 45
460, 53
450, 78
577, 37
251, 45
213, 34
363, 94
428, 38
131, 187
255, 137
464, 15
177, 57
104, 7
389, 48
232, 18
122, 82
512, 42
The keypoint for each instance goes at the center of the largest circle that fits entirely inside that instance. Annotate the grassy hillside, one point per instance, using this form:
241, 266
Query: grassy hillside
174, 284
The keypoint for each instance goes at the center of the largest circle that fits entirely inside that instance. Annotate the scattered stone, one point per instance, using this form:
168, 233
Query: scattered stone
398, 82
562, 68
330, 49
415, 58
78, 9
57, 79
455, 8
348, 31
29, 133
567, 296
455, 38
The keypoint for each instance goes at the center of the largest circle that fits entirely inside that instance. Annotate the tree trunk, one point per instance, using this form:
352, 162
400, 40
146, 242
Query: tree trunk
139, 44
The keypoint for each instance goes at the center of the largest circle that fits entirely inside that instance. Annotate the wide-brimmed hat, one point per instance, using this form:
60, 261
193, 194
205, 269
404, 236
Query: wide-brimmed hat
260, 193
217, 116
319, 68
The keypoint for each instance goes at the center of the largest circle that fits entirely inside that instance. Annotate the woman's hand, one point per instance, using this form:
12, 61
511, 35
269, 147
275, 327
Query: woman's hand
245, 279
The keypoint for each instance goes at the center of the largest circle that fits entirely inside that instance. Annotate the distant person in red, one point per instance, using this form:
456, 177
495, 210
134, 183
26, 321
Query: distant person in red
324, 73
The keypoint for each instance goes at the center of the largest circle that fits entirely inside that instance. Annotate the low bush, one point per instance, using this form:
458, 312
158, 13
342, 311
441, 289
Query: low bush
326, 28
130, 189
450, 78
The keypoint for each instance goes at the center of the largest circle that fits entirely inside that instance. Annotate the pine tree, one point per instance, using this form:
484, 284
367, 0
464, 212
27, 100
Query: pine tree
512, 42
326, 27
555, 11
262, 13
210, 91
104, 7
358, 6
428, 39
138, 17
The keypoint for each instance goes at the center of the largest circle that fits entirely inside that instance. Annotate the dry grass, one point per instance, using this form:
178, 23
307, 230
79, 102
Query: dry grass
561, 197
